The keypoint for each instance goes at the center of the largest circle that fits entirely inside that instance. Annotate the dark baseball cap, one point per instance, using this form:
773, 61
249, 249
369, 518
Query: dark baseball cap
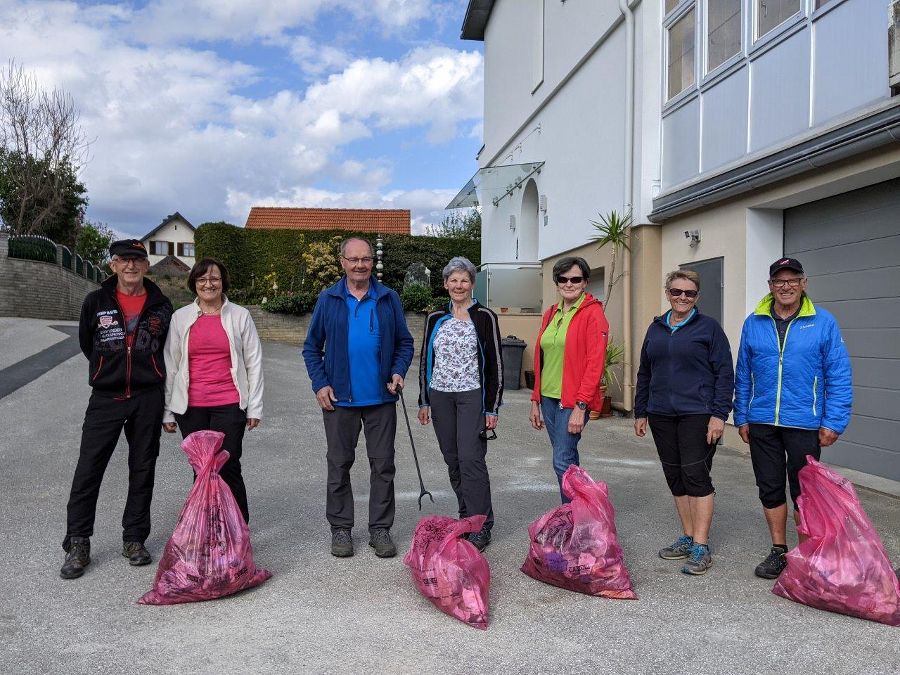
128, 248
785, 264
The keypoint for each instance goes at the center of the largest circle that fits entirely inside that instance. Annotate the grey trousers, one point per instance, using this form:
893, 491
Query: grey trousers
458, 420
342, 427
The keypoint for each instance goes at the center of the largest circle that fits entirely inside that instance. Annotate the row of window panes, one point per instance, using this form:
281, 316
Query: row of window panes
723, 38
185, 249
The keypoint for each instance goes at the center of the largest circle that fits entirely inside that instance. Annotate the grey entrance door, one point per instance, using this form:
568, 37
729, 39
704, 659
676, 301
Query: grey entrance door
710, 272
850, 247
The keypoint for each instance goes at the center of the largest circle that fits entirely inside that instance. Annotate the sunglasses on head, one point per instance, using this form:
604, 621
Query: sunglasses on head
564, 280
676, 292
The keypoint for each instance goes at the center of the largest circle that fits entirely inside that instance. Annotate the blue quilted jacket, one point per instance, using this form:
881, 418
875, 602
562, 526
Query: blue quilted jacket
806, 384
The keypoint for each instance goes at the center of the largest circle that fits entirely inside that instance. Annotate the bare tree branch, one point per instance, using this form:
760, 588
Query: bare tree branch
42, 144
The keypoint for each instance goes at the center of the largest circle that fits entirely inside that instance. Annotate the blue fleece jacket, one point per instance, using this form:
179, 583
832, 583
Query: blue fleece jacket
806, 383
685, 372
325, 348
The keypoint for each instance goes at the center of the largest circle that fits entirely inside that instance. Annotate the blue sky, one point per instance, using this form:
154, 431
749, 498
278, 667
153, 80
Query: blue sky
209, 107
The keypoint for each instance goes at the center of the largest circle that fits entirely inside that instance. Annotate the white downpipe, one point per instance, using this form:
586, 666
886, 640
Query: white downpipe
627, 9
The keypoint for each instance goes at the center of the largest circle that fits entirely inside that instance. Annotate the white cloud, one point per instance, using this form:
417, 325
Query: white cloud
176, 130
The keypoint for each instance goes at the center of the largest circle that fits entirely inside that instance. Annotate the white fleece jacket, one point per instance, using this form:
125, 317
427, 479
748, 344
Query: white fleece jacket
246, 359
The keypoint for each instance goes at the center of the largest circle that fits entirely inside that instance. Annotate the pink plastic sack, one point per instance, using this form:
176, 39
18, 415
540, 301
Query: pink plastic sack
209, 555
575, 545
842, 566
449, 570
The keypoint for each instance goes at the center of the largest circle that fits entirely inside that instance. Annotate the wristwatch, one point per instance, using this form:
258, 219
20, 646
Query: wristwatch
581, 405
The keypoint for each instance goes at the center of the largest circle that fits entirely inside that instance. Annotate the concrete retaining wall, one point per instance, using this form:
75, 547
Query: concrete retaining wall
40, 290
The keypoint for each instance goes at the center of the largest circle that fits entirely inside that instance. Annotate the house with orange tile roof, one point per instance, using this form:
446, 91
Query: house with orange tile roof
381, 221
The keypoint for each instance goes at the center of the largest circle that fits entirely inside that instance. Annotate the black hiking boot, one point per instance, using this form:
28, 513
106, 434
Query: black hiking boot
77, 558
773, 565
136, 553
380, 540
341, 544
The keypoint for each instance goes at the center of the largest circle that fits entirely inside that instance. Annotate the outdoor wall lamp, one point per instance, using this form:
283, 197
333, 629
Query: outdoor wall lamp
693, 236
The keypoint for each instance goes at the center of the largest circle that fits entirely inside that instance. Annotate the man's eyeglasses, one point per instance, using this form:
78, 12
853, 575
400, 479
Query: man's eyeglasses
566, 280
367, 260
677, 292
487, 434
785, 283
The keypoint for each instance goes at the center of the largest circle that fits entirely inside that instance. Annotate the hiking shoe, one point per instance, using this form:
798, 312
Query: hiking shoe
136, 553
480, 539
77, 558
380, 540
680, 549
341, 544
700, 560
773, 565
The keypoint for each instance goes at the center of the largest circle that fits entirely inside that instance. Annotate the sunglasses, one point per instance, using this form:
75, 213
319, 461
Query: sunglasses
676, 292
487, 434
566, 280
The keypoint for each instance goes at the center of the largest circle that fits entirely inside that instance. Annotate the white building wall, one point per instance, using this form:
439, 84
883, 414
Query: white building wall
175, 231
579, 131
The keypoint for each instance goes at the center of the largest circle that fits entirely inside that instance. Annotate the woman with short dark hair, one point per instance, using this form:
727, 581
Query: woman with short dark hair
569, 357
214, 376
684, 389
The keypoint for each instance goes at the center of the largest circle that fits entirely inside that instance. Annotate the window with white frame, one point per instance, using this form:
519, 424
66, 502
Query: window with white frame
159, 247
723, 31
773, 13
670, 5
680, 56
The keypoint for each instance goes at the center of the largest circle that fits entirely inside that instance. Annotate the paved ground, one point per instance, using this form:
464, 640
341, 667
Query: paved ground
321, 614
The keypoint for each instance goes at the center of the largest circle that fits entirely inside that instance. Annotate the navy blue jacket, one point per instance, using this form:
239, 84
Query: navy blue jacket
688, 372
325, 348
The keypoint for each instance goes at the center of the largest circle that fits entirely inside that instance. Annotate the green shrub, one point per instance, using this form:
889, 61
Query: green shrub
416, 298
254, 256
293, 303
438, 302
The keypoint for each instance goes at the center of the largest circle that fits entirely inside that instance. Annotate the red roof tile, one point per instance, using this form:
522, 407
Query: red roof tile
384, 221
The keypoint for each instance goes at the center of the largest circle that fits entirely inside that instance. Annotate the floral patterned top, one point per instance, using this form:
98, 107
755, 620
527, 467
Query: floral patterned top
455, 357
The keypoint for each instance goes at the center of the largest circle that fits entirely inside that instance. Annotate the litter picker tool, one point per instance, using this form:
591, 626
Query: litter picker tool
415, 458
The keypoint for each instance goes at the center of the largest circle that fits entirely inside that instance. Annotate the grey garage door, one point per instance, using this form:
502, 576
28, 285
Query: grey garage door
850, 247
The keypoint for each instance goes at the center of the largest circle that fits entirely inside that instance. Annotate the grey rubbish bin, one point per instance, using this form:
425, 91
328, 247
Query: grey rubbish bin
512, 361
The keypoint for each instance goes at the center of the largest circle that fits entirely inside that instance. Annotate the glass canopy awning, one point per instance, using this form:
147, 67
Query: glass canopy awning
493, 183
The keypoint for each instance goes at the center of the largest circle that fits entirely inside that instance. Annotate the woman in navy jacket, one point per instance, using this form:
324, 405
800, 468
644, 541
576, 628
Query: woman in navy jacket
685, 385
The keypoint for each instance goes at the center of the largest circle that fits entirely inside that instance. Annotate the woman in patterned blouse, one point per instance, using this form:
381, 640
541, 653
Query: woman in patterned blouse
461, 388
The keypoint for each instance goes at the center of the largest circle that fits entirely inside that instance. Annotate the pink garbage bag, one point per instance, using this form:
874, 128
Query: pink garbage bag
448, 569
575, 545
842, 566
209, 555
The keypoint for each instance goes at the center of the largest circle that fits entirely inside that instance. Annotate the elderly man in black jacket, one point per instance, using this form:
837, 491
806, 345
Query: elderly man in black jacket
122, 332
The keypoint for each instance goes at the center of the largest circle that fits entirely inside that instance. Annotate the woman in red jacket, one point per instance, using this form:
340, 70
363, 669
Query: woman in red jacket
568, 363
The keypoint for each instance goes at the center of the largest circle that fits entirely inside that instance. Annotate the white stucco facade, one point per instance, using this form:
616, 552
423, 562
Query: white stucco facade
174, 236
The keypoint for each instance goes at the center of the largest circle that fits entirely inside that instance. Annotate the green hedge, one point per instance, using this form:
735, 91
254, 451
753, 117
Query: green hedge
251, 255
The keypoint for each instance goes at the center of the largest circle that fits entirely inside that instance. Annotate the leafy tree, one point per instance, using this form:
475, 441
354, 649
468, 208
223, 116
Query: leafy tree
42, 149
92, 242
458, 225
321, 262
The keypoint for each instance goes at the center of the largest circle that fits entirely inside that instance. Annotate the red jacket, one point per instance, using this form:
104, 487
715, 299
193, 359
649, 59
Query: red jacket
584, 355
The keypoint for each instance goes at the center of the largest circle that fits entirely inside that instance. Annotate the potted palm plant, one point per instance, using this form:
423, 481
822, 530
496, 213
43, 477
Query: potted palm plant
613, 230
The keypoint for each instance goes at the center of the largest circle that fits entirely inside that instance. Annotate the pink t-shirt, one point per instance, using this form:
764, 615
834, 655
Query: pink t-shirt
209, 365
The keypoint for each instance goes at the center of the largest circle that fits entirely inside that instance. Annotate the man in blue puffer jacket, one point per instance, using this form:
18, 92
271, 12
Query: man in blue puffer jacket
792, 394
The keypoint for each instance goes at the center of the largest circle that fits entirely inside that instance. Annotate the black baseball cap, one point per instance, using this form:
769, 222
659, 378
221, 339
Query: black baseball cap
128, 248
785, 264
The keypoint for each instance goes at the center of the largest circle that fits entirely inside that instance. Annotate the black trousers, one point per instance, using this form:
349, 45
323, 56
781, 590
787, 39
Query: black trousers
141, 418
685, 455
231, 421
342, 427
458, 420
774, 450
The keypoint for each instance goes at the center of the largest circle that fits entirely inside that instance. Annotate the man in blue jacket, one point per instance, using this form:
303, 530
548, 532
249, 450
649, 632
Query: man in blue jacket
792, 394
357, 352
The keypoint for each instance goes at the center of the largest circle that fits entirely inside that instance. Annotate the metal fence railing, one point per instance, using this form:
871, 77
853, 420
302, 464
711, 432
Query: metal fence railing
79, 265
32, 247
66, 258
